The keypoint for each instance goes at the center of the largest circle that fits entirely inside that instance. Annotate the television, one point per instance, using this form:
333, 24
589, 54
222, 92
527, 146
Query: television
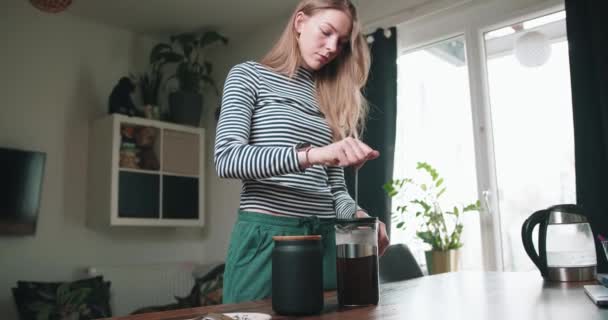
21, 174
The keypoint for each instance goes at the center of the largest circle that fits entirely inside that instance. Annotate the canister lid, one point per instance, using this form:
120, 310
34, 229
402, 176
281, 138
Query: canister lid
296, 238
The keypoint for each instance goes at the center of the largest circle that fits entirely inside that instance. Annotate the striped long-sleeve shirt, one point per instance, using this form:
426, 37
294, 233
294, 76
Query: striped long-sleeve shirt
264, 116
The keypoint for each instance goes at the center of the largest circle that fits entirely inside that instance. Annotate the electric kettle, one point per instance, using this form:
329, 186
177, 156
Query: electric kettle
566, 250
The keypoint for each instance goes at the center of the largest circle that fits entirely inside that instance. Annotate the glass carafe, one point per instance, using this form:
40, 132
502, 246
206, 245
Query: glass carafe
569, 242
357, 261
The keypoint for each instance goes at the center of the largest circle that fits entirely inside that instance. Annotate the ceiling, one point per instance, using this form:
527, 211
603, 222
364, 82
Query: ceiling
164, 17
231, 17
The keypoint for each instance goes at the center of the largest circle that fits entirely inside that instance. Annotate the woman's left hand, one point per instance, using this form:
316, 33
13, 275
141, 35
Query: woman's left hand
383, 240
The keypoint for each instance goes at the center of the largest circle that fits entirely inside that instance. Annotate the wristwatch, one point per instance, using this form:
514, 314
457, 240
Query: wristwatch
302, 145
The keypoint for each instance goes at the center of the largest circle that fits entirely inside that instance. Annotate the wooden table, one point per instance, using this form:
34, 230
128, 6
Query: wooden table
461, 295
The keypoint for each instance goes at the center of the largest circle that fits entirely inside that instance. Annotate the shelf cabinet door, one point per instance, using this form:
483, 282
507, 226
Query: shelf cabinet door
180, 154
180, 197
138, 195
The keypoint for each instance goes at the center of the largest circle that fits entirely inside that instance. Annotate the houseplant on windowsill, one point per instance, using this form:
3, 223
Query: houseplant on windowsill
439, 228
193, 72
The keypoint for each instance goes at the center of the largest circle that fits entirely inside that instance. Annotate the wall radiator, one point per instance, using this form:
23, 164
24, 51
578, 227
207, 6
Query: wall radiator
138, 286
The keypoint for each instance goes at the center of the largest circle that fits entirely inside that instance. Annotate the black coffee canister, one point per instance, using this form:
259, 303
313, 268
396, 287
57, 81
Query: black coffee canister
297, 275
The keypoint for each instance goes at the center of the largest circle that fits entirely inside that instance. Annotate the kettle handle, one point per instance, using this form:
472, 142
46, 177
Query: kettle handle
537, 217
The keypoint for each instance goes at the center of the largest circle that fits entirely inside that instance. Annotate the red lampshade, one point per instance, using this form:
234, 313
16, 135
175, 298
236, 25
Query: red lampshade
53, 6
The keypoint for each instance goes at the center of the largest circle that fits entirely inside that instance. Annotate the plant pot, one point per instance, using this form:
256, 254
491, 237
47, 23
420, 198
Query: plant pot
442, 261
185, 108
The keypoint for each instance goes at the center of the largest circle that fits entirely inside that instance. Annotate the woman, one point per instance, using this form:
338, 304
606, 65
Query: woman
288, 126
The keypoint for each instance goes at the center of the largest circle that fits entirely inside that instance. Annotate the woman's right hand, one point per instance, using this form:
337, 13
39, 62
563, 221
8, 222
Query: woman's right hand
346, 152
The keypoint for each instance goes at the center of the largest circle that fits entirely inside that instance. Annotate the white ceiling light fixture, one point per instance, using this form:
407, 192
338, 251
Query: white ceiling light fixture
532, 49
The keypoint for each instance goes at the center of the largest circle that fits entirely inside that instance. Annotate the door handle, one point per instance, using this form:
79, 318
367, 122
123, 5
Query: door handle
486, 199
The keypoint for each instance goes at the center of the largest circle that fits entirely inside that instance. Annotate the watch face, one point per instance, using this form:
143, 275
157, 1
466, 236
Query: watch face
302, 145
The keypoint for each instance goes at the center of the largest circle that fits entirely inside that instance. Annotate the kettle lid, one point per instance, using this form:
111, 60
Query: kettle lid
565, 214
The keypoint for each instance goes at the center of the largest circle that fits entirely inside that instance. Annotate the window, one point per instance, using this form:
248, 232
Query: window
473, 96
529, 91
434, 117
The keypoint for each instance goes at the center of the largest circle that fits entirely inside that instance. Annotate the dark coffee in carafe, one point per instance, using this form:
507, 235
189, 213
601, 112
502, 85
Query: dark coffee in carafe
357, 280
357, 262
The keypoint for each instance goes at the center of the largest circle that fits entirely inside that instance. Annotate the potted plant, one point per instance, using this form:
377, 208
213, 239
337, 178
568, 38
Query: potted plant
149, 86
439, 228
193, 72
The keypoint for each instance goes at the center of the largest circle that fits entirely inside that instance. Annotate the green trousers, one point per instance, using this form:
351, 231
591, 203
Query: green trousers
248, 270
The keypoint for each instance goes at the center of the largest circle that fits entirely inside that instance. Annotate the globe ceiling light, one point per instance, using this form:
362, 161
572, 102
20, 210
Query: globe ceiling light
532, 49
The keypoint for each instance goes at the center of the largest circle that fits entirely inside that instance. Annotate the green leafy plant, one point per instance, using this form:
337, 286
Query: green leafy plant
188, 50
149, 85
440, 229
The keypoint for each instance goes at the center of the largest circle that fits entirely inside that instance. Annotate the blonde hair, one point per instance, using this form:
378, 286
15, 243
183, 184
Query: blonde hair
339, 83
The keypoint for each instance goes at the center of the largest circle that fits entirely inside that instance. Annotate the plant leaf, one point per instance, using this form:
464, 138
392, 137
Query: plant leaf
424, 205
439, 182
171, 57
429, 169
186, 39
78, 296
387, 186
473, 207
211, 37
158, 51
440, 192
63, 292
426, 236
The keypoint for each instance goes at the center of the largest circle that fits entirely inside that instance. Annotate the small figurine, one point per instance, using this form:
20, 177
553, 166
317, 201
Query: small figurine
145, 139
129, 158
127, 134
120, 99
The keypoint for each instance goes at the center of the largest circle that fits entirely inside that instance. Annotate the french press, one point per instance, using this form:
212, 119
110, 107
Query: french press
357, 261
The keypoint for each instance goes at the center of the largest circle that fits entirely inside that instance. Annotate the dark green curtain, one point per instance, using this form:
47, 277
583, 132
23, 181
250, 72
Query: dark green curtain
381, 92
587, 27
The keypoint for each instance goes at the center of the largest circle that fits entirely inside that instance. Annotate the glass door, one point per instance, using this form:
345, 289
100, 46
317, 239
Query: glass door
529, 95
484, 96
435, 121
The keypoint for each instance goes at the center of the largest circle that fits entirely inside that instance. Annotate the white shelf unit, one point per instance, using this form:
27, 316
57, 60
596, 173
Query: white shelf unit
171, 195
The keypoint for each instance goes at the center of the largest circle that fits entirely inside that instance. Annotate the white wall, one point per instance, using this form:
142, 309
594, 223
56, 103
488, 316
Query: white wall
57, 72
